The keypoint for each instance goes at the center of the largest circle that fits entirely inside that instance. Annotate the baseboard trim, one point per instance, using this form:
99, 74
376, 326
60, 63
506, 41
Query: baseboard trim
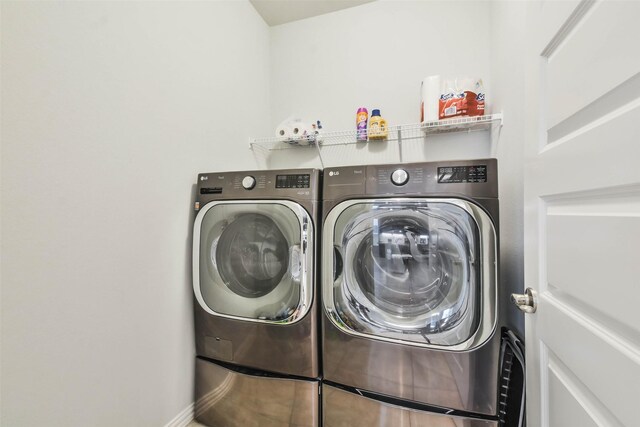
183, 418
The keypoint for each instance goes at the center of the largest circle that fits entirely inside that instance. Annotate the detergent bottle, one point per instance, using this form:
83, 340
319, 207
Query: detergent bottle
377, 126
361, 124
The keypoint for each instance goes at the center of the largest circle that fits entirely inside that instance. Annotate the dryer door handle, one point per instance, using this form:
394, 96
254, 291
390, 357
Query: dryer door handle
337, 263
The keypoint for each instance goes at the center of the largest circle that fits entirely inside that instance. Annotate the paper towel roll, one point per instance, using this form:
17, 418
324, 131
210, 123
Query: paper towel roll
430, 94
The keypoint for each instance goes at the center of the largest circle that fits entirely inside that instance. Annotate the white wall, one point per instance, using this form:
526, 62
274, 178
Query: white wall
376, 56
507, 75
109, 110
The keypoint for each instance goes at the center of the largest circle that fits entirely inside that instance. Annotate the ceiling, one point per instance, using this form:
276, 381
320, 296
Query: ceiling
276, 12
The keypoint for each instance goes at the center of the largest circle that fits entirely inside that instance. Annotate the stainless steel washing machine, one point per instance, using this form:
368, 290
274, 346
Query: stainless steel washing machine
410, 294
256, 318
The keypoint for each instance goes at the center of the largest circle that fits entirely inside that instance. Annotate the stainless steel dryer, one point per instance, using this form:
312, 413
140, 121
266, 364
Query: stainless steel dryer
255, 298
410, 295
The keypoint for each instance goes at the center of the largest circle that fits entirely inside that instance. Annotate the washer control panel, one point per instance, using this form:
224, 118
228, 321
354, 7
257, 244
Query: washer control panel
292, 184
399, 177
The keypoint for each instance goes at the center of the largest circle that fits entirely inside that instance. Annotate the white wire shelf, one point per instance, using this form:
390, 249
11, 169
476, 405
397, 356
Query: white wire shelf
396, 133
463, 124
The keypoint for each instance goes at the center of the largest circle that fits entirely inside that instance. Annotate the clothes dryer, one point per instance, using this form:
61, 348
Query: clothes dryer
410, 293
255, 298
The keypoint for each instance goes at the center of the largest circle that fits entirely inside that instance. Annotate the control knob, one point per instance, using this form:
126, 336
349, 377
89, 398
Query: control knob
248, 182
399, 177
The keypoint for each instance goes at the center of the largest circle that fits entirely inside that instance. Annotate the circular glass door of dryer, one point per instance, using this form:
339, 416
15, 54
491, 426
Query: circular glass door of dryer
251, 260
407, 270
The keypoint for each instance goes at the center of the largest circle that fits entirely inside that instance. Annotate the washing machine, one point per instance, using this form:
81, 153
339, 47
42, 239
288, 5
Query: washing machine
256, 317
411, 331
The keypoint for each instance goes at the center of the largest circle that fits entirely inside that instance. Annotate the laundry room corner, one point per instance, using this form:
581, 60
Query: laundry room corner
507, 67
376, 54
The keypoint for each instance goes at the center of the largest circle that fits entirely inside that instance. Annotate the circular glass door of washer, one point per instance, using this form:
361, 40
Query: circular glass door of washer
250, 261
410, 271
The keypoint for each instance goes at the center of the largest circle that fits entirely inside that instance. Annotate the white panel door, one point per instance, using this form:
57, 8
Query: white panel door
582, 213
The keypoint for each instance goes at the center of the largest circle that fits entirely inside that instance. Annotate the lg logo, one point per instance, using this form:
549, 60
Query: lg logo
204, 178
332, 173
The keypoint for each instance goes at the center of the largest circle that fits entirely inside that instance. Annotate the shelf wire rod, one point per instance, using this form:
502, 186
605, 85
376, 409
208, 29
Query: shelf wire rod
400, 142
317, 144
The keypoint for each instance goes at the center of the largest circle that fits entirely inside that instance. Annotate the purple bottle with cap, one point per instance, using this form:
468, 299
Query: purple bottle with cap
361, 124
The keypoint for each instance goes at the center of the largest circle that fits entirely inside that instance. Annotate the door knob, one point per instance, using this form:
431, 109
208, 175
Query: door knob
526, 302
